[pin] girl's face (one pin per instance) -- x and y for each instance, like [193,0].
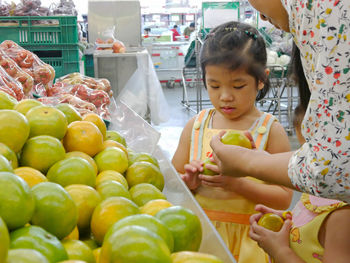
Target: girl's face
[272,11]
[232,93]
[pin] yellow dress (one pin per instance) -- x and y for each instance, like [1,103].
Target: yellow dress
[308,216]
[228,211]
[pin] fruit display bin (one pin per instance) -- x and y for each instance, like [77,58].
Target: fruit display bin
[39,30]
[140,136]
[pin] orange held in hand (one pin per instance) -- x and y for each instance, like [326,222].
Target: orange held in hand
[271,221]
[233,137]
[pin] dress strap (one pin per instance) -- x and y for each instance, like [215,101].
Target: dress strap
[262,130]
[197,134]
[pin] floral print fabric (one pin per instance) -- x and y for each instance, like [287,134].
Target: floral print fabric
[321,31]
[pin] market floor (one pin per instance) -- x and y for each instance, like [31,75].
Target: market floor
[179,115]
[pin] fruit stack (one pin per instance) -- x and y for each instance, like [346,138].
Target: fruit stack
[72,191]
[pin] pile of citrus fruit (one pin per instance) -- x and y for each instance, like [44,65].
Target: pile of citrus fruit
[71,191]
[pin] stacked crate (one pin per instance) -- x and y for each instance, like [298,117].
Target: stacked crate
[54,39]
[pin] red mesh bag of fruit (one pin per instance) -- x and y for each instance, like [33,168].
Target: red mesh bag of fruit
[43,74]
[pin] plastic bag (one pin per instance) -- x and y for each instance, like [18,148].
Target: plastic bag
[42,73]
[83,107]
[107,41]
[92,83]
[97,97]
[16,72]
[10,85]
[143,92]
[65,7]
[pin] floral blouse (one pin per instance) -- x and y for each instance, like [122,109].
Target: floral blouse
[321,30]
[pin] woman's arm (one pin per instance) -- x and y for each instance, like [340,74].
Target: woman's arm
[239,162]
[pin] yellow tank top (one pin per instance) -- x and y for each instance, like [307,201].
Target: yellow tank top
[308,216]
[219,204]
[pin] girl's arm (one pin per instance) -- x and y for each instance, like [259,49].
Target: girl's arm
[182,153]
[337,236]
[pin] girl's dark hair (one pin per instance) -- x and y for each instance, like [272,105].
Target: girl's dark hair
[239,46]
[297,74]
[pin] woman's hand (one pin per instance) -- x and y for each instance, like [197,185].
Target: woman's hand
[190,177]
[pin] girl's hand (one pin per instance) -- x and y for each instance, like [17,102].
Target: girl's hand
[225,182]
[274,243]
[190,177]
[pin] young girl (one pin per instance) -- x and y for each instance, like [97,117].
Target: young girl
[233,61]
[321,166]
[320,230]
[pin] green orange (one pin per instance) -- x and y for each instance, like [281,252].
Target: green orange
[14,129]
[72,170]
[145,172]
[112,158]
[55,210]
[5,165]
[46,120]
[84,156]
[69,111]
[143,193]
[184,225]
[41,152]
[194,257]
[152,207]
[111,188]
[132,244]
[234,137]
[16,200]
[150,222]
[142,157]
[25,105]
[9,154]
[78,250]
[4,240]
[111,175]
[35,237]
[25,255]
[7,101]
[207,171]
[115,136]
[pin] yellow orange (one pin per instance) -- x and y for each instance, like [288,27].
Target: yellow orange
[83,136]
[86,199]
[271,221]
[154,206]
[108,212]
[74,235]
[30,175]
[97,253]
[97,120]
[111,175]
[111,143]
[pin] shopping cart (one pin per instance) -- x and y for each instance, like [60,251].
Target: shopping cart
[192,77]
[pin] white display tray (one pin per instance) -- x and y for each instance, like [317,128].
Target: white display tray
[140,136]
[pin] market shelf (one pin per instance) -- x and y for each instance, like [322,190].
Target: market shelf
[39,30]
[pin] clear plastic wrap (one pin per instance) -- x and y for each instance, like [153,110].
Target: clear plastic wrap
[42,73]
[64,7]
[10,85]
[16,72]
[92,83]
[99,98]
[107,41]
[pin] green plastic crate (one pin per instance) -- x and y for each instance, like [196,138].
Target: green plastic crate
[39,30]
[89,65]
[63,58]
